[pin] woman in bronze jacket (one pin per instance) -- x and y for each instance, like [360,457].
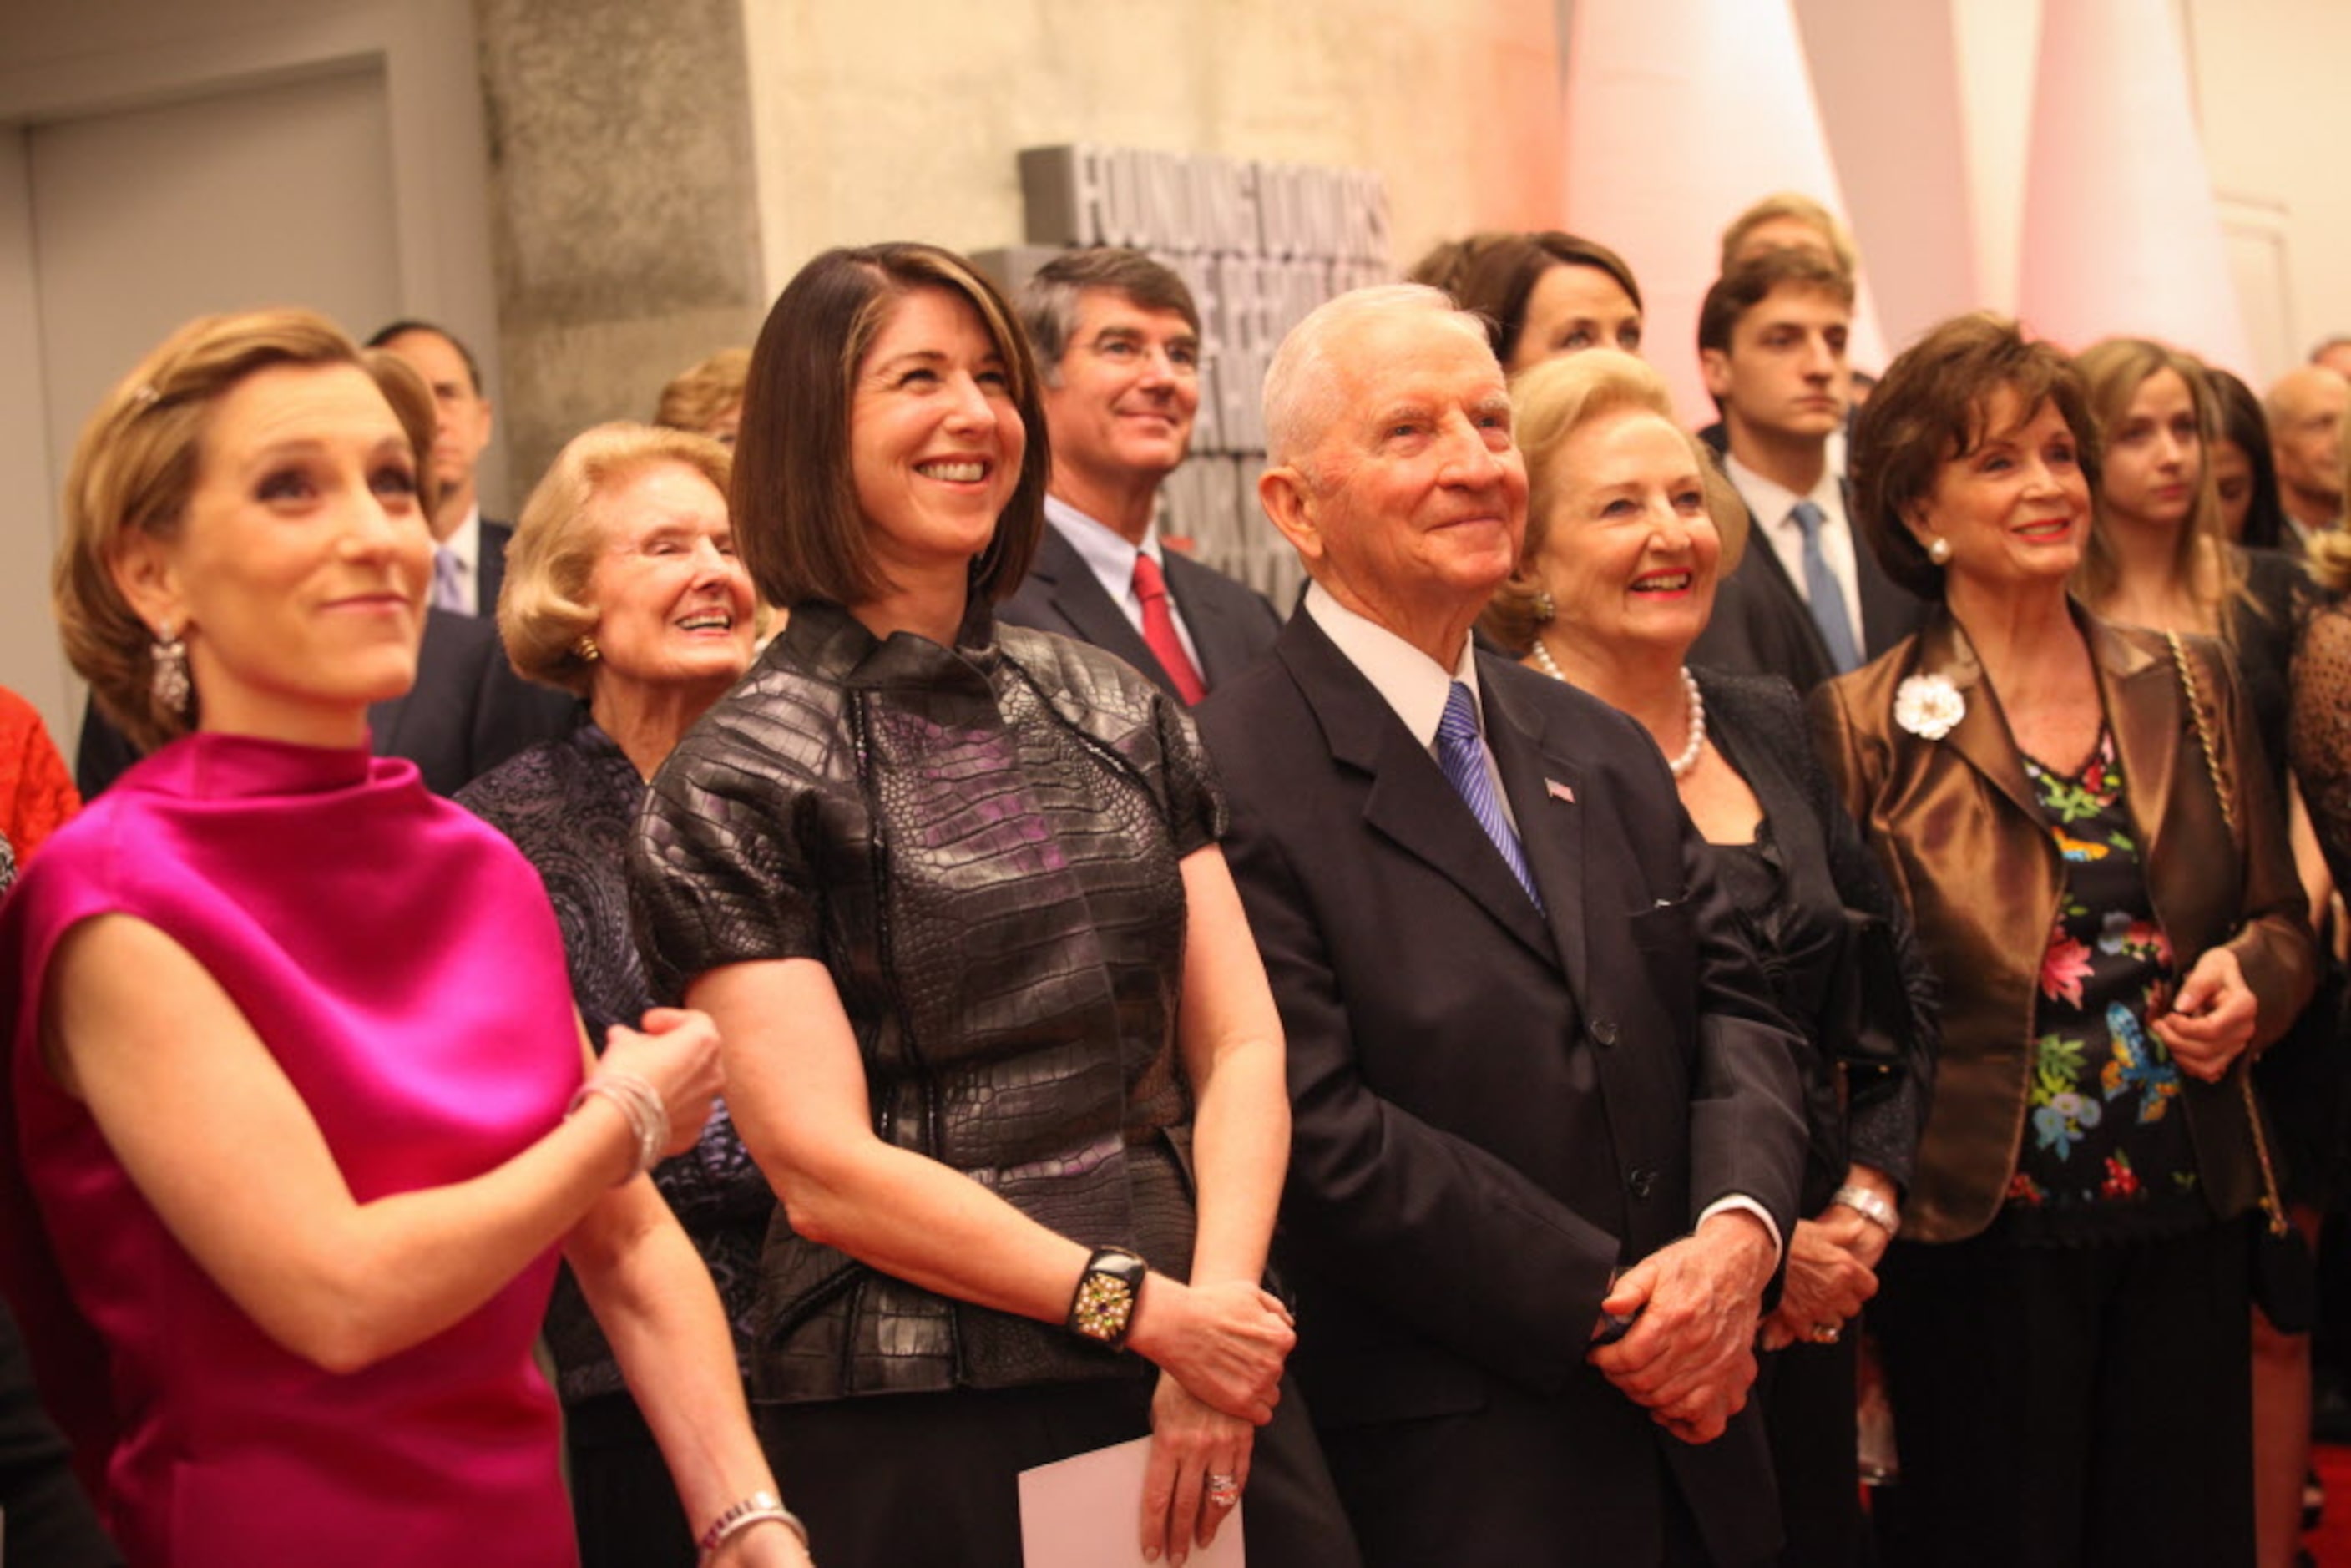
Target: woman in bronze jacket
[2063,1318]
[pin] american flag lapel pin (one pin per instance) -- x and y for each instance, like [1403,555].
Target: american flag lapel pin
[1559,791]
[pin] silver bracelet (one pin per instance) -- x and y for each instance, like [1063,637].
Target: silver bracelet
[759,1508]
[1870,1206]
[639,1102]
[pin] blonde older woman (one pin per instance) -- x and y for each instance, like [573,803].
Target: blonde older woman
[290,1156]
[622,587]
[1629,529]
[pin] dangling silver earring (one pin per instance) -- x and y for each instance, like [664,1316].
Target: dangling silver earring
[1546,611]
[169,680]
[1938,550]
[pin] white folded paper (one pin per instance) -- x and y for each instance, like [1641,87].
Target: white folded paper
[1087,1512]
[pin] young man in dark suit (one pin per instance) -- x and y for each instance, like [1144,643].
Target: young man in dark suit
[1545,1136]
[469,555]
[1808,601]
[1118,340]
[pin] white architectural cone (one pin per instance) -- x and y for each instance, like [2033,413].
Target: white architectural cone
[1680,114]
[2122,237]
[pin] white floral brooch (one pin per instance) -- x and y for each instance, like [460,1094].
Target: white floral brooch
[1928,706]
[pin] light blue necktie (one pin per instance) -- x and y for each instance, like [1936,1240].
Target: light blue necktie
[448,580]
[1830,612]
[1462,753]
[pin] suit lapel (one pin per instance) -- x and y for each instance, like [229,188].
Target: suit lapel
[1981,734]
[1547,791]
[1078,596]
[1405,796]
[1762,564]
[2144,710]
[1202,615]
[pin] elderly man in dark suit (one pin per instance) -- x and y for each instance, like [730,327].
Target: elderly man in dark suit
[1546,1137]
[1118,339]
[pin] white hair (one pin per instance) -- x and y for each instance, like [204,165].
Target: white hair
[1303,385]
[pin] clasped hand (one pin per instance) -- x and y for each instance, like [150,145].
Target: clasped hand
[1831,1273]
[1225,1343]
[2211,1016]
[676,1052]
[1690,1358]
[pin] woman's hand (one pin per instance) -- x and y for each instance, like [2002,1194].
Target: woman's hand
[1224,1342]
[2211,1021]
[1829,1276]
[1190,1442]
[676,1052]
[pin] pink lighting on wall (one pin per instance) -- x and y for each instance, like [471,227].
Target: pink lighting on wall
[2121,233]
[1680,113]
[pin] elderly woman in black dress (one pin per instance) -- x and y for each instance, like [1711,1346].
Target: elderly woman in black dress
[1006,1049]
[1625,546]
[622,587]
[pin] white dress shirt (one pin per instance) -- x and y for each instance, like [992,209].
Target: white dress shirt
[1773,505]
[1111,560]
[465,544]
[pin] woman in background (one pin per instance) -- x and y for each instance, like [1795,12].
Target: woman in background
[2160,556]
[622,587]
[1543,294]
[2244,468]
[707,398]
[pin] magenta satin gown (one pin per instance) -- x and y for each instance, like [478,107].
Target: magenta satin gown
[401,962]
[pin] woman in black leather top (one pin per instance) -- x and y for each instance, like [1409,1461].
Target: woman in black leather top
[996,1029]
[1624,545]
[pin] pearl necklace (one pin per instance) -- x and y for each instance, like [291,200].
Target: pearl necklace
[1680,765]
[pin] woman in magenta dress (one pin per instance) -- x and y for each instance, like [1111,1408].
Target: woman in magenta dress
[296,1108]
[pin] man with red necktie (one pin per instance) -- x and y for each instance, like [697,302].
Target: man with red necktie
[1118,339]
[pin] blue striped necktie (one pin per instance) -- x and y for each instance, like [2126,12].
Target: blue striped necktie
[1462,753]
[1830,612]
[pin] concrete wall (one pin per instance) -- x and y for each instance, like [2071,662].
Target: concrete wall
[595,193]
[899,118]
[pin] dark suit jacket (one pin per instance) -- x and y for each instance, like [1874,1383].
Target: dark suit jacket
[1957,826]
[1230,623]
[1763,626]
[490,569]
[468,712]
[1495,1108]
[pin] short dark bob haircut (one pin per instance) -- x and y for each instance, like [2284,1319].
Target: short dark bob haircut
[1930,408]
[794,497]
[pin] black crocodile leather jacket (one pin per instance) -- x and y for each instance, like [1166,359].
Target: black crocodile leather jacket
[982,845]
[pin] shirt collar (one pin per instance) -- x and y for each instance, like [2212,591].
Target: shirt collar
[1771,501]
[464,541]
[1102,548]
[1415,686]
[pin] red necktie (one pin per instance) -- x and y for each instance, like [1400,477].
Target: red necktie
[1159,631]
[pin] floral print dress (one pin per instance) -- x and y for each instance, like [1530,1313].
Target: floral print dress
[2106,1153]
